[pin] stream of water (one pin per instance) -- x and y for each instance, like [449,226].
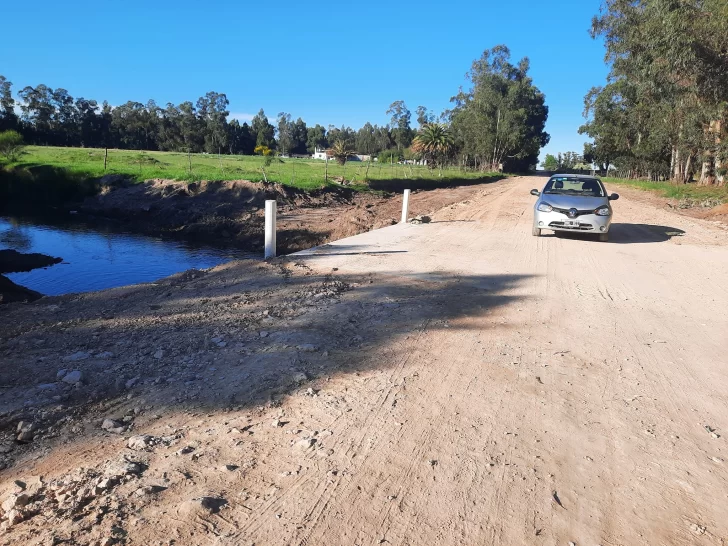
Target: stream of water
[95,258]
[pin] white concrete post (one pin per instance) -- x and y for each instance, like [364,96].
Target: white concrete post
[405,206]
[270,229]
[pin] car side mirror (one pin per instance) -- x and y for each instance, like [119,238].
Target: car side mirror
[614,197]
[535,192]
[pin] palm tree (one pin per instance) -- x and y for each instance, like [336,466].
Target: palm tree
[434,141]
[341,152]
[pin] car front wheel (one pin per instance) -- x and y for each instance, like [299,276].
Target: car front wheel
[604,237]
[536,232]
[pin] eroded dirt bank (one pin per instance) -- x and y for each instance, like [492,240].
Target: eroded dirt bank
[459,382]
[11,292]
[12,261]
[232,212]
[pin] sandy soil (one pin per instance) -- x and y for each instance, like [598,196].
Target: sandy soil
[717,214]
[458,382]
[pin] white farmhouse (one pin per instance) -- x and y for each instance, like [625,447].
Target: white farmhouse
[321,154]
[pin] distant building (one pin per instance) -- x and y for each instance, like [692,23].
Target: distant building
[321,154]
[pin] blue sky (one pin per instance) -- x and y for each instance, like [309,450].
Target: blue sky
[327,63]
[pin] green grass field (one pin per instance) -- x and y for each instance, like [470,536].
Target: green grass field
[709,195]
[305,174]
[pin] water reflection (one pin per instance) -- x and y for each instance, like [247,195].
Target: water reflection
[99,258]
[14,236]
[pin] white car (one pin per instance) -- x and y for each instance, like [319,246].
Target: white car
[575,203]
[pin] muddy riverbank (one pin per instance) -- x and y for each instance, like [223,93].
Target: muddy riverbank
[231,212]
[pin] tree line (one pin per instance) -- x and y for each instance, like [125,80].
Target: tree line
[565,162]
[664,112]
[53,117]
[497,123]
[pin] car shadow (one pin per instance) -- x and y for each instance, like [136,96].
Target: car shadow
[642,233]
[622,233]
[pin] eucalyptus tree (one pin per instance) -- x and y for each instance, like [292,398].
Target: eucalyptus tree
[8,117]
[263,130]
[499,121]
[191,128]
[366,140]
[64,123]
[316,139]
[342,134]
[300,136]
[240,138]
[400,123]
[88,122]
[674,56]
[383,138]
[212,109]
[285,130]
[424,116]
[37,109]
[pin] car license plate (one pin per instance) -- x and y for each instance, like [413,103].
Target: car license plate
[571,223]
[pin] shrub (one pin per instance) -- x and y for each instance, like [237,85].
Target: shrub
[266,152]
[387,156]
[409,154]
[11,145]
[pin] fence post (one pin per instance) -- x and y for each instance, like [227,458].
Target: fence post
[405,206]
[270,229]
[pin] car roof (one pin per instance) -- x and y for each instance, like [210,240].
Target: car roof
[590,177]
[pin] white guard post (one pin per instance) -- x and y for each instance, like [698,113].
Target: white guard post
[405,206]
[270,229]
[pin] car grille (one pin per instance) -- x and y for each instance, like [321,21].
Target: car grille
[579,227]
[578,212]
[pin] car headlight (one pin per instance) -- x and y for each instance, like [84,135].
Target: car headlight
[545,207]
[603,211]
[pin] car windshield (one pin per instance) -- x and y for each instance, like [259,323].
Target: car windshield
[573,185]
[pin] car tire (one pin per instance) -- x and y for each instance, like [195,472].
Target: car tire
[536,232]
[604,237]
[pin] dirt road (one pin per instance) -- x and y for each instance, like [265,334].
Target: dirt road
[459,382]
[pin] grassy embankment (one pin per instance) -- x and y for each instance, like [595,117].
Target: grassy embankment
[51,174]
[688,194]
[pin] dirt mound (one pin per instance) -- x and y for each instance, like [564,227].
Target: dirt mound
[229,211]
[160,195]
[719,212]
[232,212]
